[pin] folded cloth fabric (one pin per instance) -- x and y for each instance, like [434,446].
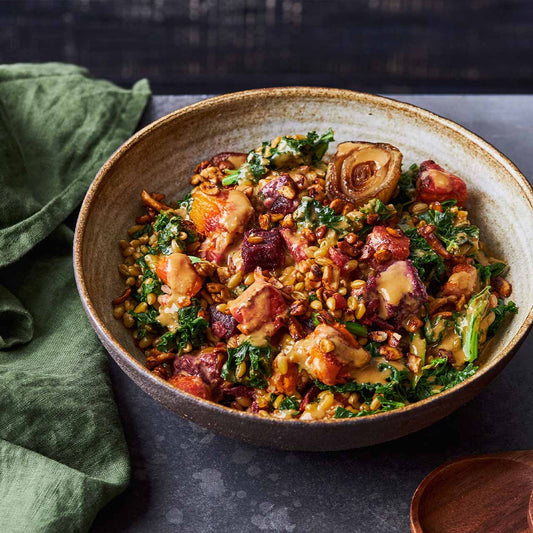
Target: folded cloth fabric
[62,450]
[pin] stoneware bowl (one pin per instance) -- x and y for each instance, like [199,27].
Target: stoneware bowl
[161,157]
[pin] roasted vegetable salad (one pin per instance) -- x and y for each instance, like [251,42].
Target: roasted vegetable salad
[289,286]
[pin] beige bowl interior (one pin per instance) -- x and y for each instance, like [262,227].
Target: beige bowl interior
[162,158]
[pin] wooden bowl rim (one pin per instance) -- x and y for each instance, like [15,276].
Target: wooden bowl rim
[414,513]
[455,129]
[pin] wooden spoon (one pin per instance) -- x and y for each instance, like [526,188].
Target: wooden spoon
[485,494]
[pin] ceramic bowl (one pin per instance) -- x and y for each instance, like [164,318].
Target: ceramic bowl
[161,157]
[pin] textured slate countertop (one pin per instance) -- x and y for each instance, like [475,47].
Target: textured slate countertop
[185,478]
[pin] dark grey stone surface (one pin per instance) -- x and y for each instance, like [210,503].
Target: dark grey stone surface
[185,478]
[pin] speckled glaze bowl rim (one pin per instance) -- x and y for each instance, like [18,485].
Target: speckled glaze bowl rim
[292,92]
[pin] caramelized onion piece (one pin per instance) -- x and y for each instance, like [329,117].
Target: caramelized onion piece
[360,171]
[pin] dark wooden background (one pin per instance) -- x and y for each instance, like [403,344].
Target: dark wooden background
[210,46]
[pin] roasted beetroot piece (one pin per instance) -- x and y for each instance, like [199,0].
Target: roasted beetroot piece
[206,365]
[191,384]
[339,258]
[274,201]
[260,309]
[434,184]
[462,282]
[296,244]
[262,248]
[400,291]
[387,244]
[223,326]
[240,391]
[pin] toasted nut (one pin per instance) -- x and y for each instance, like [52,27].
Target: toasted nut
[265,221]
[447,354]
[390,353]
[331,303]
[298,308]
[300,181]
[382,255]
[393,232]
[308,235]
[418,208]
[501,286]
[394,339]
[346,248]
[295,329]
[351,238]
[287,221]
[215,287]
[254,239]
[150,201]
[204,268]
[123,297]
[378,336]
[413,323]
[337,205]
[321,231]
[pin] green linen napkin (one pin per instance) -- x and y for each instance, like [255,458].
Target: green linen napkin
[62,450]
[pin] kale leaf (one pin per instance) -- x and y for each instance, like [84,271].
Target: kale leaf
[290,403]
[169,227]
[258,361]
[487,272]
[428,263]
[452,236]
[406,186]
[288,152]
[377,207]
[312,213]
[341,412]
[146,230]
[501,310]
[400,389]
[148,318]
[191,329]
[308,149]
[150,282]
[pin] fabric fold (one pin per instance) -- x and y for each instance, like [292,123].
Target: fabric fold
[16,323]
[62,450]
